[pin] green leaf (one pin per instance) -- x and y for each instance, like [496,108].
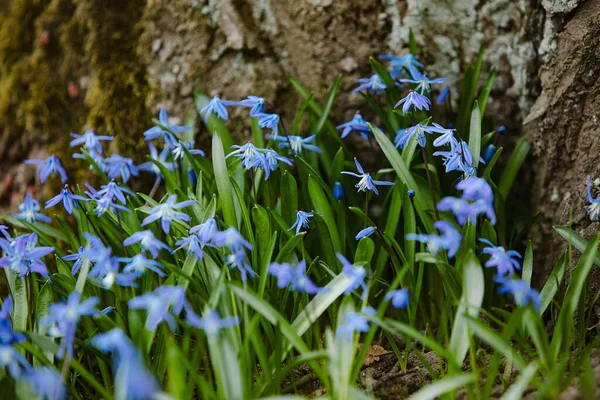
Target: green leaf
[223,183]
[68,231]
[404,175]
[412,43]
[41,229]
[287,249]
[576,241]
[499,344]
[517,389]
[485,91]
[322,206]
[187,270]
[513,165]
[553,283]
[528,264]
[471,300]
[438,388]
[475,135]
[176,370]
[328,104]
[289,197]
[20,311]
[364,251]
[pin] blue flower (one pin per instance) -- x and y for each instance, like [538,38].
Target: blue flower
[68,199]
[365,232]
[167,213]
[459,158]
[366,182]
[147,241]
[504,260]
[62,320]
[193,246]
[113,190]
[133,381]
[107,272]
[206,230]
[7,335]
[355,322]
[296,143]
[270,121]
[139,264]
[302,221]
[120,166]
[105,199]
[90,141]
[13,361]
[250,155]
[295,277]
[421,80]
[404,136]
[400,298]
[237,259]
[411,194]
[22,257]
[338,190]
[398,63]
[501,130]
[46,384]
[160,306]
[95,251]
[593,209]
[212,323]
[254,103]
[216,106]
[29,211]
[523,294]
[413,99]
[157,131]
[475,188]
[52,165]
[270,161]
[357,124]
[465,210]
[449,240]
[373,84]
[162,158]
[356,273]
[489,153]
[78,257]
[231,239]
[443,95]
[446,137]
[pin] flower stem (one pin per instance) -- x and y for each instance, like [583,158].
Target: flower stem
[437,215]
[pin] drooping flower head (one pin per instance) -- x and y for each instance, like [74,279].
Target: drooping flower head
[421,80]
[294,277]
[254,103]
[373,84]
[505,261]
[45,384]
[161,305]
[521,291]
[248,153]
[211,323]
[357,275]
[161,158]
[7,335]
[117,166]
[216,106]
[90,141]
[147,241]
[399,297]
[449,240]
[400,63]
[302,221]
[139,264]
[366,182]
[355,322]
[356,124]
[368,231]
[51,165]
[68,199]
[415,100]
[22,257]
[160,132]
[338,190]
[269,121]
[593,209]
[403,136]
[270,161]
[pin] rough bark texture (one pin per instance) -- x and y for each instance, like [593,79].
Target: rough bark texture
[67,65]
[564,130]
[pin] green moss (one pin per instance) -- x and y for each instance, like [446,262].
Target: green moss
[94,40]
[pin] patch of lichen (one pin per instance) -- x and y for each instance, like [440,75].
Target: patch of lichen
[90,42]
